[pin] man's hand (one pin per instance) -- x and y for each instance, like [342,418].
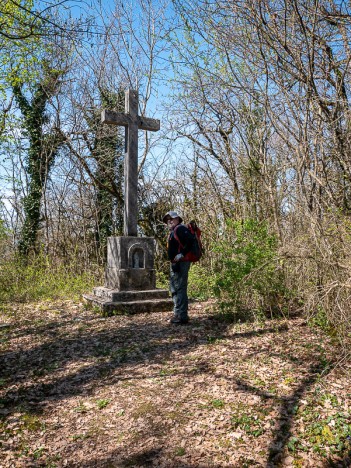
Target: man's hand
[178,257]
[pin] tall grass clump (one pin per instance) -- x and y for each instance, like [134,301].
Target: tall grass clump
[43,279]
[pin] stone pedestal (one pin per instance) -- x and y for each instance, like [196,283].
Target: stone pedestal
[130,263]
[130,279]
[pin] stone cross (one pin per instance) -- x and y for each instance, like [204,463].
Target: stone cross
[132,122]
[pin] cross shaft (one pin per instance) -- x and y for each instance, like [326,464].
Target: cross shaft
[132,122]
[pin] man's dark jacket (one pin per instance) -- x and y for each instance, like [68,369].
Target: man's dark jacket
[186,241]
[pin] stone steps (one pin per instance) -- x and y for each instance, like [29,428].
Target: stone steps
[112,302]
[127,296]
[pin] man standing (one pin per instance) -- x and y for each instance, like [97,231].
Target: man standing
[180,242]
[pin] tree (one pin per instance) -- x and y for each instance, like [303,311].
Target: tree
[125,58]
[17,45]
[303,56]
[221,111]
[107,150]
[18,21]
[26,27]
[21,20]
[43,146]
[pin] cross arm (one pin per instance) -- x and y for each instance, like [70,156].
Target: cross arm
[118,118]
[114,118]
[145,123]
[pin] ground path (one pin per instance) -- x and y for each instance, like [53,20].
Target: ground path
[79,390]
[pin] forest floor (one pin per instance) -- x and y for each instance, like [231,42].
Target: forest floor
[79,390]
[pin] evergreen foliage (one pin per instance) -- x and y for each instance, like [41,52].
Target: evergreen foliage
[42,150]
[109,155]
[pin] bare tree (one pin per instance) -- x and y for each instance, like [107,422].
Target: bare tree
[126,56]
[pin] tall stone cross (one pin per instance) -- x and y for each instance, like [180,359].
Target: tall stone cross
[132,122]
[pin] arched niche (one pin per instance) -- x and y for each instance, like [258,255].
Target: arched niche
[136,256]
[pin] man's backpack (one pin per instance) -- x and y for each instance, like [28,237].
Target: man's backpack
[197,250]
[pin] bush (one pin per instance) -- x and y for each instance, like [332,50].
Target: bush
[201,282]
[318,266]
[249,275]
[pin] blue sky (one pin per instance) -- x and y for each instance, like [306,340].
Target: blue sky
[93,8]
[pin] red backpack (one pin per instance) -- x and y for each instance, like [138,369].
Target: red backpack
[197,250]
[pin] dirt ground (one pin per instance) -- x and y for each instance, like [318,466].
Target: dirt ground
[79,390]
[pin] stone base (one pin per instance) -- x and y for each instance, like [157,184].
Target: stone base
[130,279]
[114,302]
[130,264]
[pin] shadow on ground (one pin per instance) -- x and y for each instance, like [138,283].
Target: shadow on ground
[113,349]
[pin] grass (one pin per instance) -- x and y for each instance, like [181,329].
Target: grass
[218,404]
[248,423]
[31,423]
[324,433]
[102,403]
[43,280]
[81,408]
[179,451]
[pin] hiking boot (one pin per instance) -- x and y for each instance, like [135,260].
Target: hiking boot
[179,321]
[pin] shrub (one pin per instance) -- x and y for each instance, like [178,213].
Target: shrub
[319,266]
[249,276]
[201,282]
